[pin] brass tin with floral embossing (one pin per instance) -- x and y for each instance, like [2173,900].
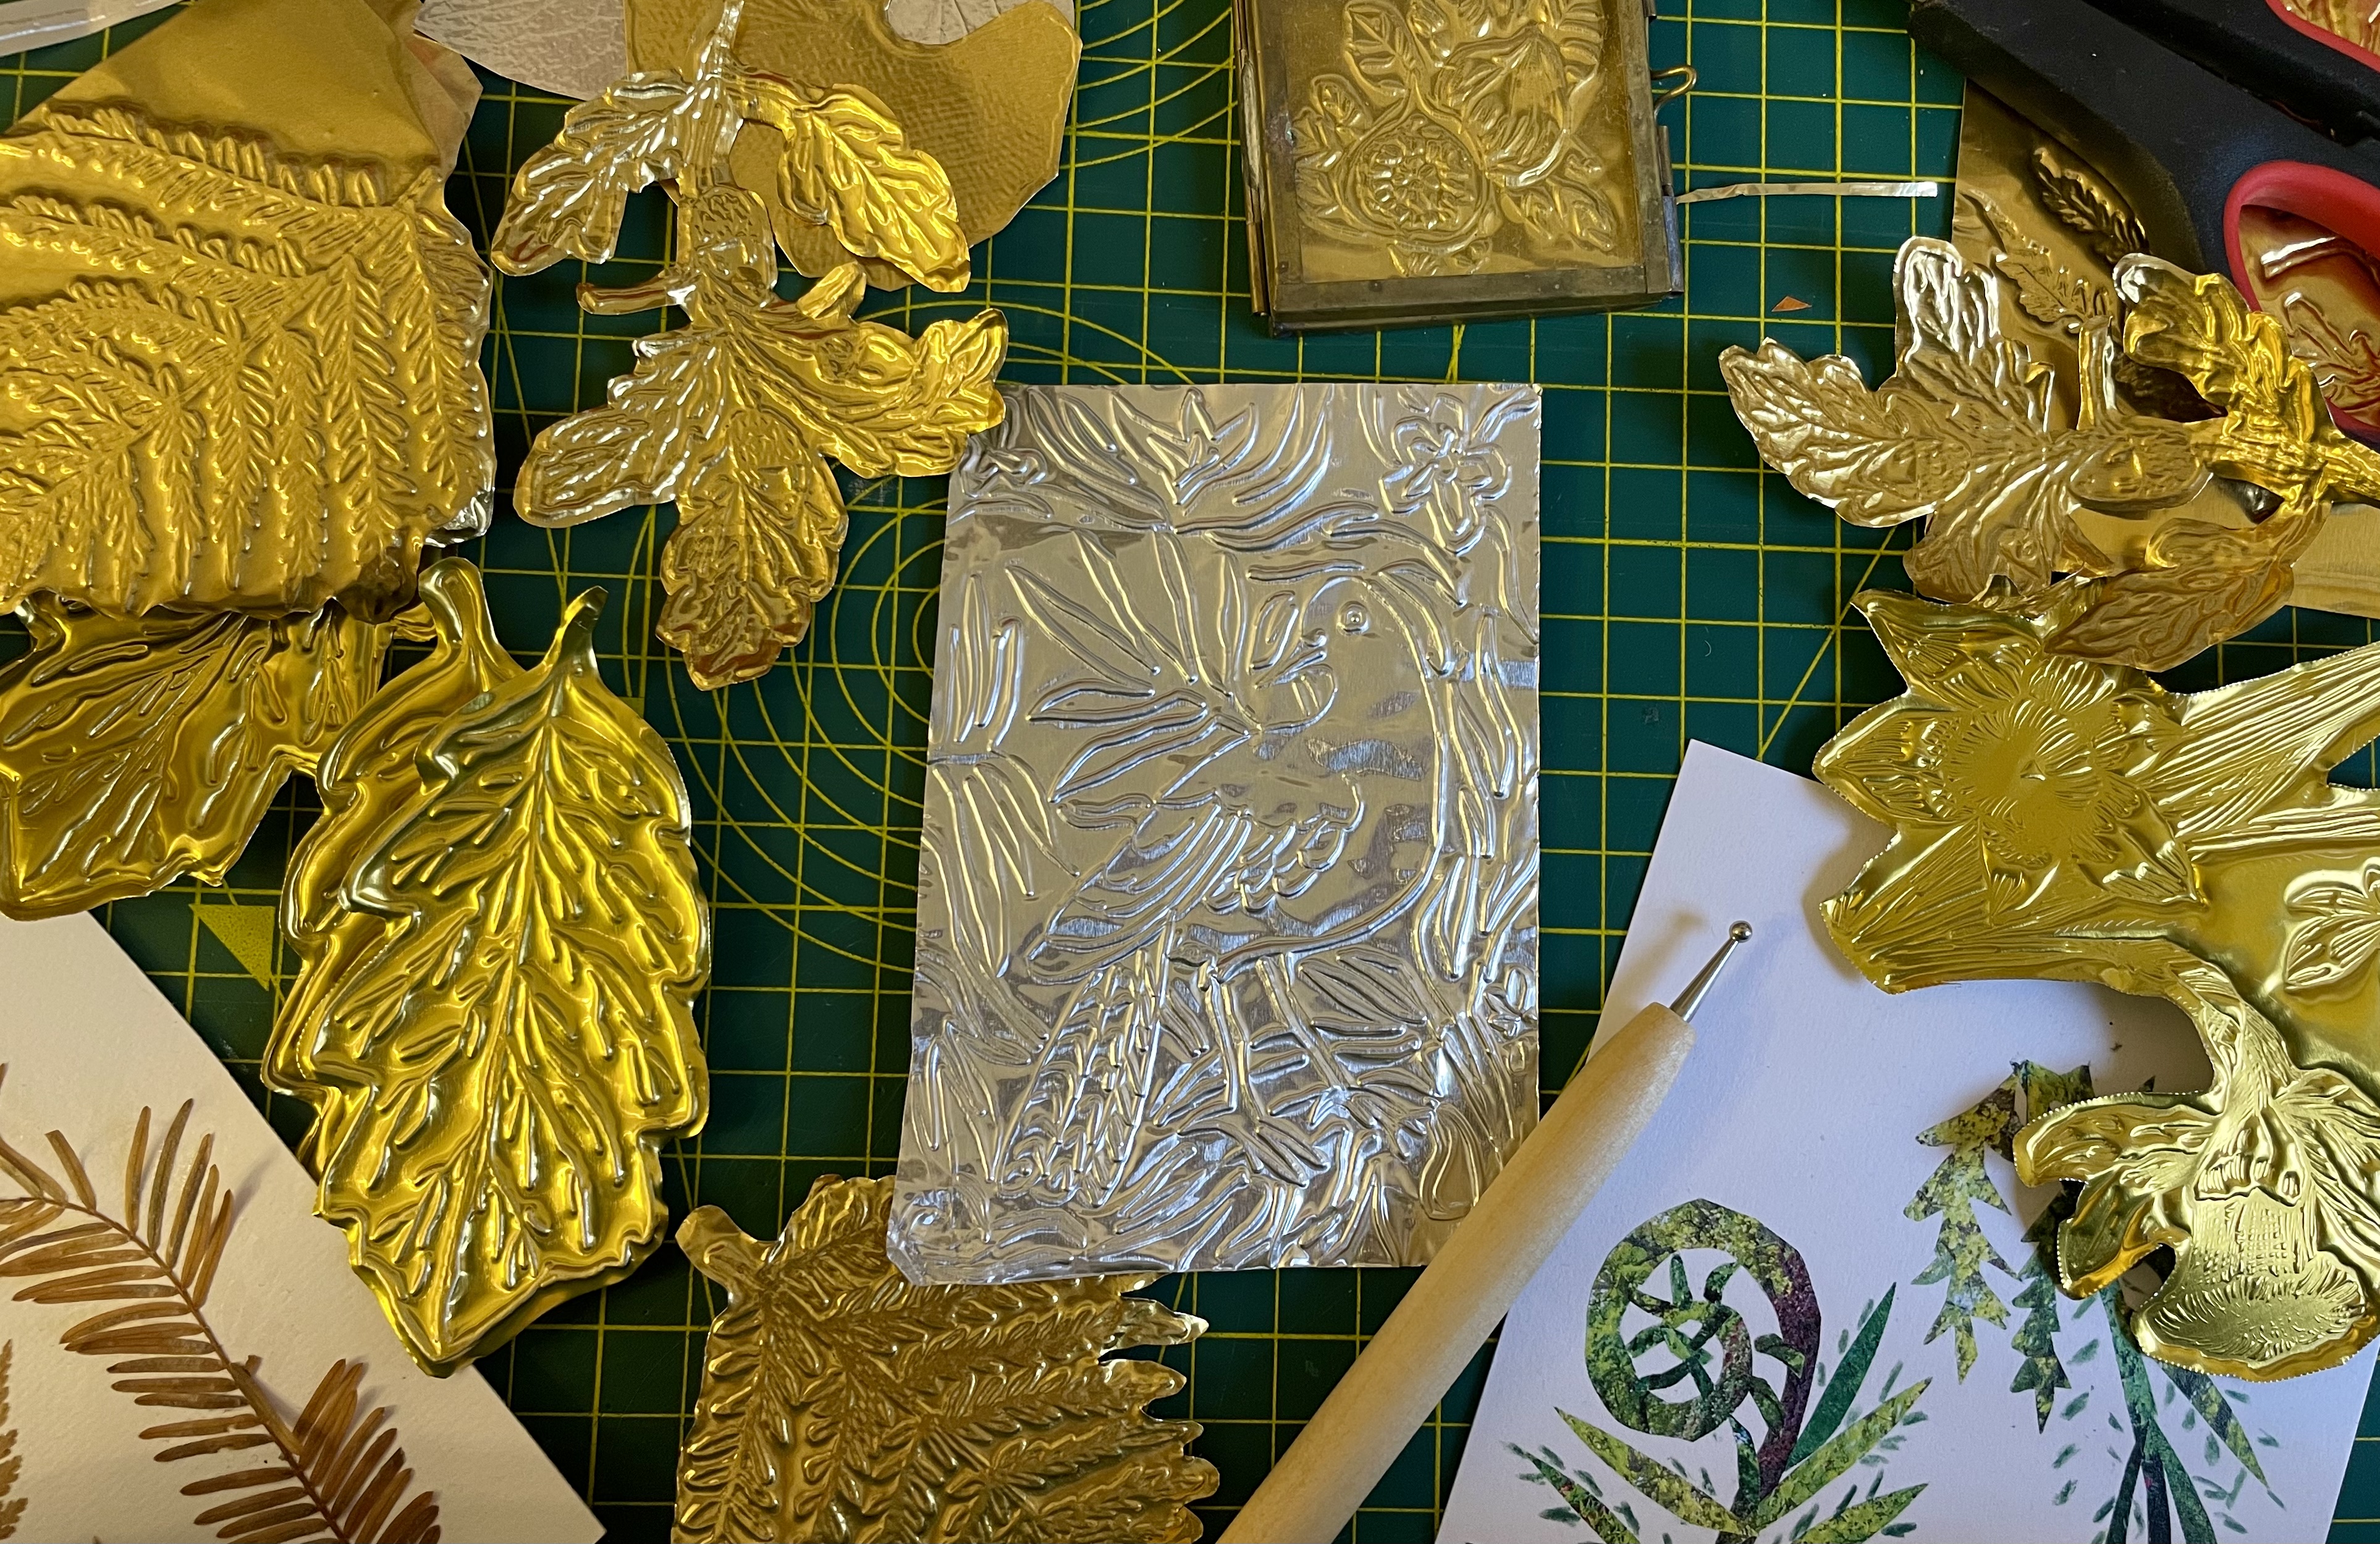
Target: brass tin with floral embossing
[2061,818]
[1421,161]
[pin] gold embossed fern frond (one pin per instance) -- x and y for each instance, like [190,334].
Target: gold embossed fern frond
[12,1463]
[842,1401]
[732,416]
[257,384]
[141,1276]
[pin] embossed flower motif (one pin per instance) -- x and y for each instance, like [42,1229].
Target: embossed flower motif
[1446,467]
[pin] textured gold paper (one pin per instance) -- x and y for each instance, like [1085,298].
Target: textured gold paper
[134,750]
[2056,816]
[503,939]
[839,1401]
[130,1284]
[989,107]
[734,415]
[2169,535]
[239,332]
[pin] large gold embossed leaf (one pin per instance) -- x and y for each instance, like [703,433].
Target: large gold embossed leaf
[839,1401]
[505,1061]
[257,386]
[368,782]
[731,416]
[135,750]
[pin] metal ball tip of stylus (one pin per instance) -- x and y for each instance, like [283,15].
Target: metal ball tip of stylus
[1692,998]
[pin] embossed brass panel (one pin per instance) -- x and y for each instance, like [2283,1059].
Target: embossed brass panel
[839,1401]
[1418,161]
[1227,915]
[2054,817]
[503,939]
[2143,538]
[239,331]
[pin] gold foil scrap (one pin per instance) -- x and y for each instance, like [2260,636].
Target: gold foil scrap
[2057,817]
[841,1401]
[502,938]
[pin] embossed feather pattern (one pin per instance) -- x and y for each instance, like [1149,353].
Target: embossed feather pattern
[842,1401]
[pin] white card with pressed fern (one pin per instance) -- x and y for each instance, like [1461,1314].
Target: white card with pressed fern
[1809,1306]
[184,1351]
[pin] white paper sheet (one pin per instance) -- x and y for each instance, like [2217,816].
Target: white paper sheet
[39,23]
[88,1041]
[573,48]
[1800,1108]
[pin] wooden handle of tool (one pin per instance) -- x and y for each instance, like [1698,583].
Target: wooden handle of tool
[1434,1332]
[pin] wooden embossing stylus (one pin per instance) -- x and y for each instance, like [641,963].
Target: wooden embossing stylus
[1478,1272]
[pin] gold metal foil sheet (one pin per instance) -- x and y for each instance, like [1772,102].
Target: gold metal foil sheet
[134,750]
[839,1401]
[2057,817]
[2353,20]
[733,414]
[239,332]
[503,938]
[1418,161]
[989,107]
[2145,538]
[1227,915]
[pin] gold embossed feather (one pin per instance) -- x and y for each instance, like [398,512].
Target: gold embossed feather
[841,1401]
[135,750]
[503,939]
[734,415]
[233,375]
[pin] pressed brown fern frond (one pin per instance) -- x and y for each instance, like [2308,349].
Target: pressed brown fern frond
[335,1475]
[12,1463]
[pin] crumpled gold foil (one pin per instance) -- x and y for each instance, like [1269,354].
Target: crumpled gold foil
[239,331]
[503,938]
[989,107]
[2146,538]
[2057,817]
[839,1401]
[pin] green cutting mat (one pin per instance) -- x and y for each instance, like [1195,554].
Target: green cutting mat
[1688,594]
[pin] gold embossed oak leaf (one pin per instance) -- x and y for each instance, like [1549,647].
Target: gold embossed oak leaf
[239,331]
[2056,816]
[134,750]
[732,415]
[991,107]
[2159,560]
[839,1401]
[503,939]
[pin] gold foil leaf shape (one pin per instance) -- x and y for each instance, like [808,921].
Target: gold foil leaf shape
[135,1282]
[2059,817]
[732,417]
[494,1019]
[989,108]
[239,331]
[841,164]
[2161,560]
[134,750]
[842,1401]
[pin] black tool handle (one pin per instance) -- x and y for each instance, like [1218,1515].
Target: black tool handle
[2312,73]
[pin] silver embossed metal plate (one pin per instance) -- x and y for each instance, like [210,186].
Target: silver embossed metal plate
[1227,910]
